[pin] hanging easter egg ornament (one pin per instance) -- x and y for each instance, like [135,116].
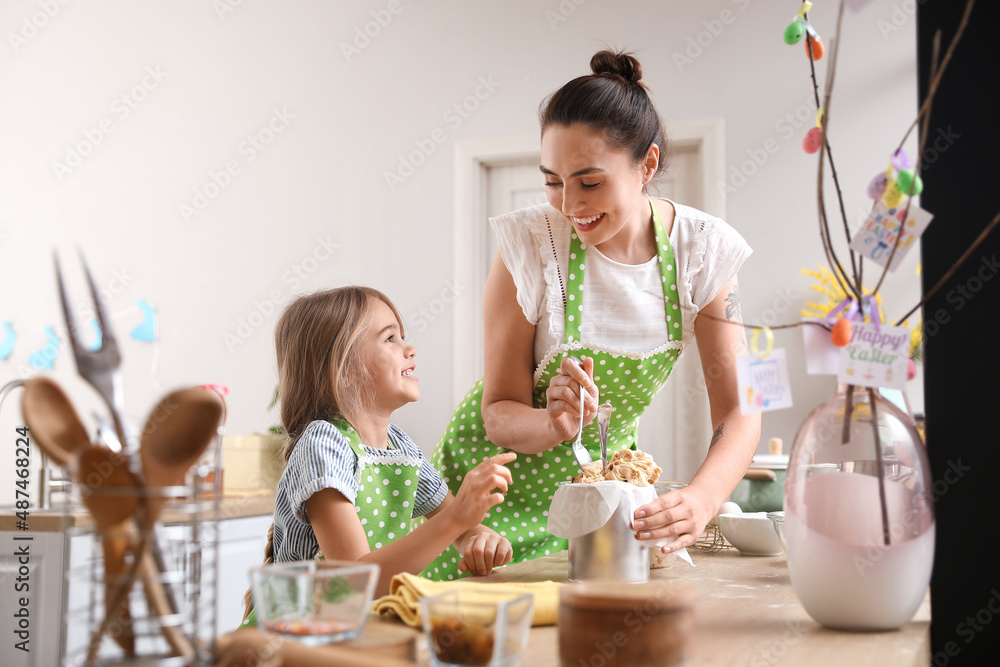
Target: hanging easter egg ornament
[794,32]
[814,45]
[877,186]
[812,140]
[841,334]
[905,179]
[900,160]
[892,196]
[814,137]
[797,28]
[911,370]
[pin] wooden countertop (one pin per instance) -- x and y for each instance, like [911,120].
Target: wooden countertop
[232,506]
[746,613]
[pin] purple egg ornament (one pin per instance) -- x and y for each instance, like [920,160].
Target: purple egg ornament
[877,186]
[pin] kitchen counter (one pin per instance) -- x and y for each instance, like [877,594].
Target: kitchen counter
[233,506]
[746,613]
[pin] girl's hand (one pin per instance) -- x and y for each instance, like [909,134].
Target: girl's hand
[476,496]
[563,397]
[484,550]
[680,512]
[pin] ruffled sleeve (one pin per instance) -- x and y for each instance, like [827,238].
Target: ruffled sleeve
[717,251]
[525,249]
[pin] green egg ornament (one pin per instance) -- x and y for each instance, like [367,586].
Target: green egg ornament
[794,32]
[906,178]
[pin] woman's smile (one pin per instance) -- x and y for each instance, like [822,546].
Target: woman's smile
[587,223]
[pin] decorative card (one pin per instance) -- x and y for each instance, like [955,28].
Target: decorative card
[822,356]
[875,358]
[878,235]
[763,383]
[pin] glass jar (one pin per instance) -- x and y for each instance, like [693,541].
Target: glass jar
[859,516]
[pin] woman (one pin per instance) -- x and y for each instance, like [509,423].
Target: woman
[620,280]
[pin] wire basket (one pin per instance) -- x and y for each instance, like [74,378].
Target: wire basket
[169,615]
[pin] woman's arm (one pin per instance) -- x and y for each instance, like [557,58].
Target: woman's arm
[508,415]
[341,537]
[685,512]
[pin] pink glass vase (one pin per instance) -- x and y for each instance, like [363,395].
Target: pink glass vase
[859,516]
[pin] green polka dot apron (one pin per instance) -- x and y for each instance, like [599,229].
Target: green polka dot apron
[387,482]
[627,380]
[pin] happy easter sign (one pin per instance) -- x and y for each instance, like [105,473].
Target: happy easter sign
[877,237]
[875,358]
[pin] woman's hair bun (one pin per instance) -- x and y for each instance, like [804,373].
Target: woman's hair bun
[616,64]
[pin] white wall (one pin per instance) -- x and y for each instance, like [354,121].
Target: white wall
[221,76]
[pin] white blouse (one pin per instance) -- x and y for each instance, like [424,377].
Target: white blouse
[623,304]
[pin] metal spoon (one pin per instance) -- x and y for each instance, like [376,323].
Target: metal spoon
[603,422]
[579,451]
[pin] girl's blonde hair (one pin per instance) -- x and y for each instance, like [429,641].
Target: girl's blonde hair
[321,373]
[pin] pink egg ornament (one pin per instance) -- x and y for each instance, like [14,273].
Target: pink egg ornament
[812,140]
[911,370]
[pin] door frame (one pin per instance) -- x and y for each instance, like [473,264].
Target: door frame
[473,158]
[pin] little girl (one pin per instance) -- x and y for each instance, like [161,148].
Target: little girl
[353,481]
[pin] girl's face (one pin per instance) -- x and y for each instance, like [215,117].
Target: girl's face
[389,360]
[597,187]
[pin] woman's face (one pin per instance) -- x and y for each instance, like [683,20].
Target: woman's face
[597,187]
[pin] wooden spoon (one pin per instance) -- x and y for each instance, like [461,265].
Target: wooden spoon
[57,428]
[176,435]
[107,488]
[55,425]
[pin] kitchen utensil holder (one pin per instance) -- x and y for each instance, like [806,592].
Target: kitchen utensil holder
[186,538]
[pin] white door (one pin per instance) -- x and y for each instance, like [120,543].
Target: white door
[676,428]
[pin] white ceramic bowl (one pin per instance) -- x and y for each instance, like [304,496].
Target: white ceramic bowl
[751,532]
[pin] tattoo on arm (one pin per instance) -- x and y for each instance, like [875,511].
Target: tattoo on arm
[717,435]
[733,304]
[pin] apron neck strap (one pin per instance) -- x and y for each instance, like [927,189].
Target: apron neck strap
[352,437]
[668,274]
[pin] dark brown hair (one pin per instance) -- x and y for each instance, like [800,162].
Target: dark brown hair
[612,99]
[320,371]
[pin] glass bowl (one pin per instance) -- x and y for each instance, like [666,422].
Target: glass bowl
[665,486]
[314,601]
[778,519]
[477,627]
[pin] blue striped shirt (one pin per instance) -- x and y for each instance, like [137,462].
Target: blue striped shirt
[323,459]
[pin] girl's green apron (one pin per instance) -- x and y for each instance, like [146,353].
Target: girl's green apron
[387,489]
[628,380]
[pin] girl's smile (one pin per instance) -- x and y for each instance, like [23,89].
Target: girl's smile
[389,360]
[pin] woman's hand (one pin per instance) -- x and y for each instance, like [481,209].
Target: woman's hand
[482,550]
[563,397]
[477,494]
[682,513]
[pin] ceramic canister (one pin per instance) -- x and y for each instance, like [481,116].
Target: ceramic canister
[610,624]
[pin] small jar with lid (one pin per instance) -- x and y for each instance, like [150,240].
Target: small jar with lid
[632,625]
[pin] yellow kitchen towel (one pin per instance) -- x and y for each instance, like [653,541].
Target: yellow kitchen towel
[406,590]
